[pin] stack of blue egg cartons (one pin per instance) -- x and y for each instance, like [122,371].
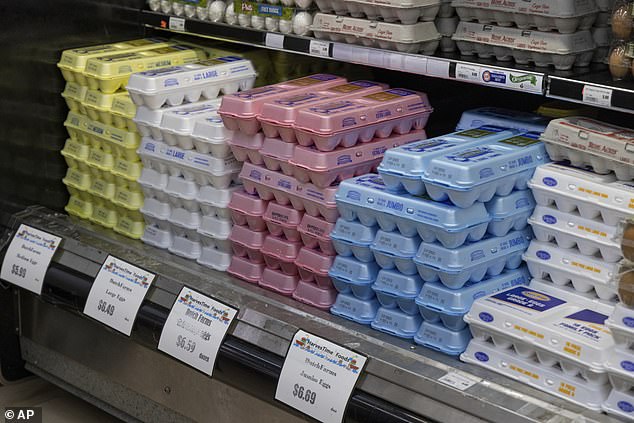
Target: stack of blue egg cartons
[444,223]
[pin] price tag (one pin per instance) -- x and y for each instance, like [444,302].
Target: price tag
[274,40]
[28,258]
[467,72]
[117,294]
[195,329]
[318,377]
[597,96]
[458,381]
[319,48]
[177,24]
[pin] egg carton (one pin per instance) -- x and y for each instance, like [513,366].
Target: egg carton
[563,51]
[621,324]
[246,270]
[621,371]
[76,154]
[280,253]
[593,196]
[620,404]
[248,243]
[394,322]
[189,83]
[210,136]
[471,262]
[283,220]
[549,379]
[277,281]
[177,125]
[352,238]
[311,294]
[584,141]
[246,148]
[73,95]
[284,189]
[366,198]
[446,27]
[352,308]
[396,290]
[602,37]
[313,267]
[406,12]
[510,212]
[557,326]
[442,339]
[505,118]
[349,275]
[570,230]
[393,250]
[437,303]
[421,37]
[404,166]
[248,210]
[566,16]
[77,126]
[476,174]
[214,259]
[123,111]
[315,234]
[157,237]
[279,18]
[98,106]
[240,110]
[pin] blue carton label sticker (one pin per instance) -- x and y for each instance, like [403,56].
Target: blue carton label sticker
[625,406]
[481,356]
[530,299]
[485,317]
[627,365]
[588,316]
[548,181]
[629,322]
[551,220]
[543,255]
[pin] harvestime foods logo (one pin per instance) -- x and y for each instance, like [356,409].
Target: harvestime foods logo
[536,296]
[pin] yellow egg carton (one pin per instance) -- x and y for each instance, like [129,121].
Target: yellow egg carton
[121,142]
[110,73]
[74,95]
[98,105]
[78,206]
[77,179]
[73,61]
[123,111]
[76,154]
[77,126]
[99,160]
[103,188]
[130,223]
[104,213]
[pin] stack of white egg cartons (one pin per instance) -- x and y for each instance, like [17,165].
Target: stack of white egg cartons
[543,32]
[557,334]
[101,151]
[602,31]
[188,171]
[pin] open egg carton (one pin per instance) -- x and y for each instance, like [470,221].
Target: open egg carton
[405,11]
[586,142]
[565,16]
[420,37]
[563,51]
[558,331]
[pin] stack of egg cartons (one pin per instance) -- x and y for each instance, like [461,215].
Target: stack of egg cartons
[188,172]
[298,139]
[101,151]
[541,31]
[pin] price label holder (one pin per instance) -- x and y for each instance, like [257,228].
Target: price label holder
[319,48]
[117,293]
[318,377]
[597,96]
[28,257]
[176,24]
[195,328]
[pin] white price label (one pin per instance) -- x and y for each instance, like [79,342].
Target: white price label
[458,381]
[195,328]
[319,48]
[177,24]
[28,258]
[274,40]
[597,96]
[466,72]
[318,377]
[117,293]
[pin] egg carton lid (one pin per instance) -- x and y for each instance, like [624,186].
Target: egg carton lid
[440,338]
[151,117]
[355,309]
[396,322]
[353,271]
[395,244]
[211,129]
[400,33]
[353,232]
[182,121]
[403,4]
[77,121]
[515,38]
[74,91]
[395,283]
[118,136]
[516,202]
[548,8]
[123,106]
[101,101]
[523,121]
[216,197]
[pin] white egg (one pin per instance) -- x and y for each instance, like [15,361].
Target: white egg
[202,13]
[244,20]
[166,6]
[230,15]
[272,24]
[302,22]
[178,8]
[285,26]
[217,10]
[288,2]
[257,22]
[303,4]
[154,5]
[190,10]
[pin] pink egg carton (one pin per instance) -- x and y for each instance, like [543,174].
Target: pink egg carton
[239,111]
[276,155]
[284,189]
[282,220]
[311,294]
[248,209]
[246,270]
[313,266]
[278,281]
[346,122]
[247,243]
[280,253]
[324,168]
[247,147]
[278,116]
[315,233]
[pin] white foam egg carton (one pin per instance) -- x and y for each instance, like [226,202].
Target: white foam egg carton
[405,11]
[620,404]
[446,26]
[419,37]
[551,379]
[593,196]
[602,37]
[569,230]
[210,136]
[177,125]
[189,83]
[543,48]
[621,323]
[588,142]
[565,16]
[553,325]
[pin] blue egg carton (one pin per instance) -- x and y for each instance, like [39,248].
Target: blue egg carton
[394,289]
[366,198]
[523,121]
[437,303]
[353,239]
[476,174]
[351,275]
[510,212]
[393,250]
[352,308]
[440,338]
[404,166]
[397,323]
[472,262]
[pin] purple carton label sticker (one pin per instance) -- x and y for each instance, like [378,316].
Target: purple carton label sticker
[528,298]
[481,356]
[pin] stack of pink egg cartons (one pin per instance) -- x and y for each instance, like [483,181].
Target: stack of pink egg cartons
[298,140]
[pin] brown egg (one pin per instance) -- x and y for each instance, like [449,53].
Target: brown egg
[626,288]
[622,22]
[619,63]
[627,243]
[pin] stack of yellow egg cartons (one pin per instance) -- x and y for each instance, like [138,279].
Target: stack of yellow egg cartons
[101,151]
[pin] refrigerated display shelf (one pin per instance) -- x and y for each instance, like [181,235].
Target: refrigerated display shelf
[402,382]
